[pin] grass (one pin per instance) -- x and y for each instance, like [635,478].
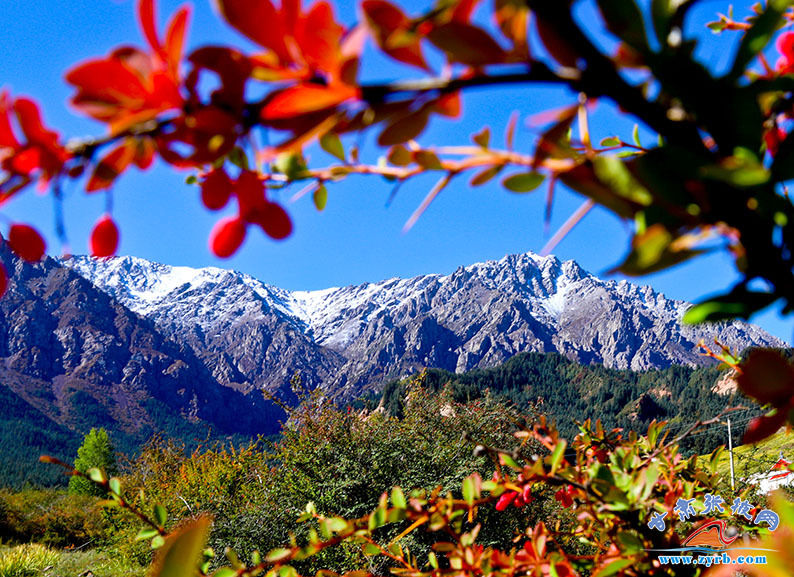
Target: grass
[757,458]
[27,560]
[32,560]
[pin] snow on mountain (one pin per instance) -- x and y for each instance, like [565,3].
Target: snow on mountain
[255,335]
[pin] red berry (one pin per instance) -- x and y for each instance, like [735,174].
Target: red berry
[3,280]
[250,194]
[26,242]
[505,500]
[518,502]
[104,238]
[274,220]
[227,236]
[216,188]
[527,494]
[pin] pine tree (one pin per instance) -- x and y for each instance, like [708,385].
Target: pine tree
[96,451]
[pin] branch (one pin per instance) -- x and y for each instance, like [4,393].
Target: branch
[538,73]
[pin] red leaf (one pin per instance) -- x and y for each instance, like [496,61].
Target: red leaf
[274,220]
[505,499]
[259,21]
[767,377]
[319,37]
[227,236]
[147,21]
[304,99]
[175,38]
[111,166]
[290,12]
[513,20]
[144,153]
[26,242]
[3,280]
[231,66]
[26,161]
[108,82]
[29,118]
[7,138]
[104,239]
[762,427]
[216,189]
[386,23]
[448,105]
[464,9]
[466,44]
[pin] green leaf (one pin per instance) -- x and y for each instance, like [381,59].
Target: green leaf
[743,169]
[332,144]
[279,554]
[146,533]
[483,137]
[486,175]
[469,491]
[157,542]
[629,542]
[160,515]
[739,303]
[612,172]
[377,518]
[96,475]
[191,179]
[759,35]
[320,197]
[398,498]
[556,456]
[508,461]
[370,549]
[652,250]
[115,485]
[291,164]
[523,182]
[337,524]
[237,157]
[400,156]
[624,19]
[613,567]
[432,559]
[427,159]
[611,141]
[635,135]
[225,572]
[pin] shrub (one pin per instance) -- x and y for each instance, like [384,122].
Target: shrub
[52,517]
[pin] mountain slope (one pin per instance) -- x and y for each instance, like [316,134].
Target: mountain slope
[253,335]
[81,359]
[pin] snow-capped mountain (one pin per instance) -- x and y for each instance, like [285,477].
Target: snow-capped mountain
[251,335]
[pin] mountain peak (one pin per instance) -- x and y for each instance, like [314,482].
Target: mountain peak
[477,316]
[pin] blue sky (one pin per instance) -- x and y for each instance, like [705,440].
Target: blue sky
[357,238]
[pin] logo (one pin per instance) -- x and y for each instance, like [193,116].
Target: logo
[713,541]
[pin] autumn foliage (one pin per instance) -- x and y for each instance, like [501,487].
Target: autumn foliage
[718,170]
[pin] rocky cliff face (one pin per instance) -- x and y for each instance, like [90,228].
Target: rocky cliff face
[83,359]
[251,335]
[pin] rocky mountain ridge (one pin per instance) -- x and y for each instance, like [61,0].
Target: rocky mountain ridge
[253,335]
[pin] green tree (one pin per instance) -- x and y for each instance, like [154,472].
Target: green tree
[95,452]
